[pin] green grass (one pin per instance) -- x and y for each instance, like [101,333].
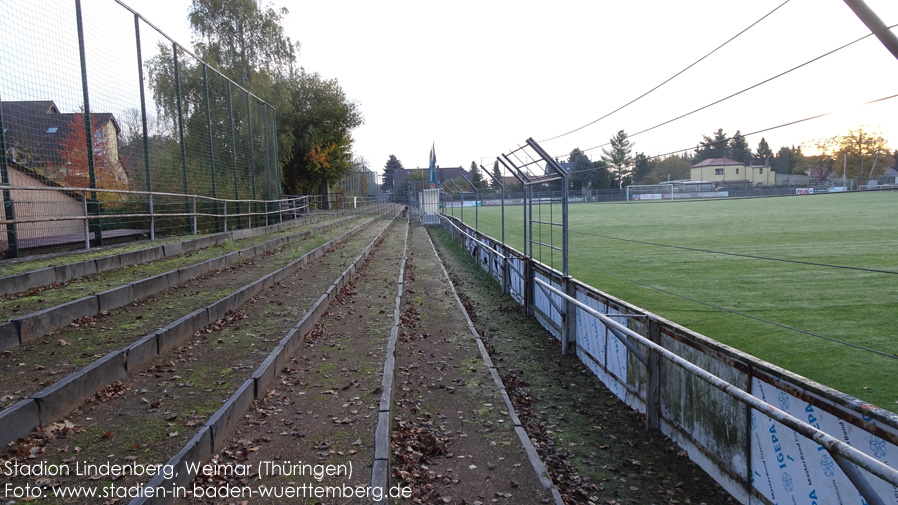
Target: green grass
[853,306]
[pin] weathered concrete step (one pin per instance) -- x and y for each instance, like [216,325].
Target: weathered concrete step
[32,326]
[214,435]
[66,272]
[51,403]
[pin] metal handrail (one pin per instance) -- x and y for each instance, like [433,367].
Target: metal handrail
[134,192]
[475,239]
[834,446]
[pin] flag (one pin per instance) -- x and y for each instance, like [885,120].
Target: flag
[433,165]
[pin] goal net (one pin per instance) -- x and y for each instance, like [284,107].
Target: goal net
[650,192]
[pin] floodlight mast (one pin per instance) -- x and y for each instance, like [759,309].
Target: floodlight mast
[875,24]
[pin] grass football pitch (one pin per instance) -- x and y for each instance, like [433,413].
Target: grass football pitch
[827,313]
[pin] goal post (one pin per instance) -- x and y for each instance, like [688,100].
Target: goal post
[650,192]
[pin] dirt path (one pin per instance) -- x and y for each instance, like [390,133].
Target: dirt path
[596,448]
[453,439]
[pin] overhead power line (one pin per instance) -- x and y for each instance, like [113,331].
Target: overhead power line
[763,130]
[753,86]
[696,62]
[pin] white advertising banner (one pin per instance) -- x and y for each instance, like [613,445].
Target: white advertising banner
[542,304]
[594,338]
[789,468]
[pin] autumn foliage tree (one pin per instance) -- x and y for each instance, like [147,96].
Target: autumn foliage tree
[858,149]
[321,119]
[75,168]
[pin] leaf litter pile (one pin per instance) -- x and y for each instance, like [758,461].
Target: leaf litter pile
[322,408]
[452,438]
[595,448]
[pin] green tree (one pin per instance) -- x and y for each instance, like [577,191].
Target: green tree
[789,160]
[581,170]
[716,146]
[858,149]
[390,166]
[497,175]
[618,158]
[822,164]
[671,168]
[412,183]
[242,37]
[763,154]
[642,167]
[477,177]
[739,150]
[862,148]
[244,41]
[322,119]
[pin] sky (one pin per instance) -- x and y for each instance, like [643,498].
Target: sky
[476,79]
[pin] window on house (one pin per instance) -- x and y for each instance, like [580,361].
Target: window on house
[737,171]
[718,171]
[761,170]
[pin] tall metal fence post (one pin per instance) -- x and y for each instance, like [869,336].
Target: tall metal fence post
[503,214]
[194,215]
[529,190]
[180,107]
[143,122]
[12,242]
[211,147]
[267,164]
[152,220]
[233,152]
[653,381]
[252,161]
[570,310]
[462,193]
[277,172]
[506,271]
[86,220]
[529,285]
[569,329]
[94,206]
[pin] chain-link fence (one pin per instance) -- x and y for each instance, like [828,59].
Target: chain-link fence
[93,96]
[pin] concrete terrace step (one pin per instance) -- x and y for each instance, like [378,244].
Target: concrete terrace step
[68,270]
[29,327]
[50,404]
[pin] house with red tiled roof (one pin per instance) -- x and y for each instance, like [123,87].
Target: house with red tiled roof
[51,143]
[721,171]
